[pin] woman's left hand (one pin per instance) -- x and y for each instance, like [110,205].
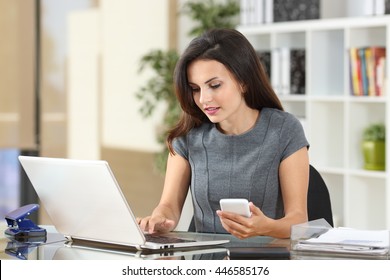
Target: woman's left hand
[242,227]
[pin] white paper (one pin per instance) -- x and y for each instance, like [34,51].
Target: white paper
[348,241]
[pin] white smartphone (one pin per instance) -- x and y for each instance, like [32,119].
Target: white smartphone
[236,205]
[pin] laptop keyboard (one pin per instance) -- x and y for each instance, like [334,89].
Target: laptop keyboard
[165,239]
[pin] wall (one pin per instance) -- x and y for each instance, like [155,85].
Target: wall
[129,29]
[17,74]
[83,85]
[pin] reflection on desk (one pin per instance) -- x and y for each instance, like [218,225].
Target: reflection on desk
[89,253]
[57,247]
[29,248]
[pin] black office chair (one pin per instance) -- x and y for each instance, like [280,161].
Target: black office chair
[318,200]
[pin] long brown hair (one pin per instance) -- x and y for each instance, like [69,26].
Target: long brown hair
[234,51]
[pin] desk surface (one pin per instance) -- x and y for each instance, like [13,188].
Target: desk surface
[56,247]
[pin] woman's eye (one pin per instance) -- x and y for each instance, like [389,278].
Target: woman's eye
[195,89]
[215,86]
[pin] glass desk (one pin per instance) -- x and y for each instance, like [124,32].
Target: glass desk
[56,247]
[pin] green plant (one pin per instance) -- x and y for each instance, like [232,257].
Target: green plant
[210,14]
[375,132]
[159,88]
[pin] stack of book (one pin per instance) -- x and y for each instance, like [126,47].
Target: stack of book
[268,11]
[367,71]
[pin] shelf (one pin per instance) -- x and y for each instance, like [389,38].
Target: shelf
[366,99]
[328,99]
[333,119]
[330,170]
[315,25]
[367,173]
[292,98]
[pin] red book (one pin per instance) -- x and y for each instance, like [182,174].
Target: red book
[355,72]
[379,55]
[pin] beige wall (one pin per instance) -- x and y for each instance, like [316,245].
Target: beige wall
[105,48]
[17,84]
[129,29]
[83,85]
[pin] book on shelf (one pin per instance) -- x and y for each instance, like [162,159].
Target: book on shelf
[354,71]
[268,11]
[251,12]
[379,71]
[363,70]
[297,71]
[295,10]
[380,79]
[367,70]
[265,59]
[370,66]
[382,7]
[288,70]
[285,71]
[357,8]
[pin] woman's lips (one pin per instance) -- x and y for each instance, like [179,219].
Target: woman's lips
[211,110]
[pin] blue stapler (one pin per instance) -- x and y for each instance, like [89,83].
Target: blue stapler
[19,227]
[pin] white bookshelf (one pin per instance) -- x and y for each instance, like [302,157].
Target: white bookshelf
[333,118]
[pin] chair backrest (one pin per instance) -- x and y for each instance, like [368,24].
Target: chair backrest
[318,200]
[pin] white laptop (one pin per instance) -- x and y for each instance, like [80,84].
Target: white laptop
[85,202]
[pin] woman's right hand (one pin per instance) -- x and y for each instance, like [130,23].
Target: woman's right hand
[156,223]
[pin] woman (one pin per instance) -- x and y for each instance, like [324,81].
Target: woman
[233,141]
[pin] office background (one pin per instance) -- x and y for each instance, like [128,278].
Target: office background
[68,78]
[82,58]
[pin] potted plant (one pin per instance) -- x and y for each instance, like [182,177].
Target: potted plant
[374,147]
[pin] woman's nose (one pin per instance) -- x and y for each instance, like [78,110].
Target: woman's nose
[205,96]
